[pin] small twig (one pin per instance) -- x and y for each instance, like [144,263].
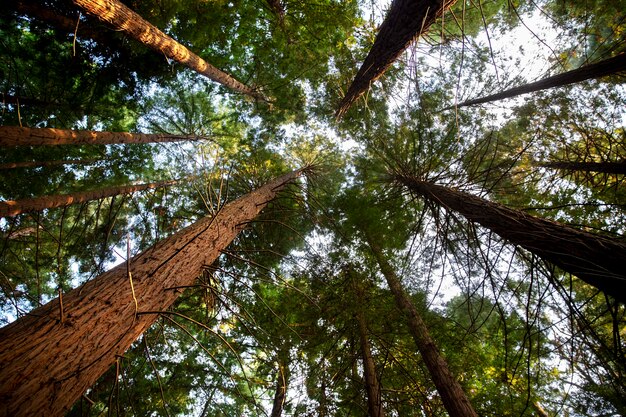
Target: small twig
[61,314]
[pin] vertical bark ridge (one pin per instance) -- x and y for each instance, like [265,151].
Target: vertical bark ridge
[599,261]
[372,386]
[48,361]
[124,19]
[28,136]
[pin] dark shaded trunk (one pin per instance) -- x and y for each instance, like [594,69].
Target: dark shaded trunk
[452,395]
[404,23]
[27,136]
[280,393]
[372,387]
[35,164]
[25,101]
[123,19]
[13,208]
[602,167]
[52,355]
[597,260]
[600,69]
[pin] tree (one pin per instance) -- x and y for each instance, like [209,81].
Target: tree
[13,208]
[26,136]
[124,19]
[610,66]
[33,164]
[75,338]
[406,21]
[595,259]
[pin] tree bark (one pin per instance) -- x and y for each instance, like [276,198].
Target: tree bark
[35,164]
[372,387]
[125,20]
[597,260]
[404,23]
[618,168]
[27,136]
[600,69]
[14,207]
[282,378]
[452,395]
[52,355]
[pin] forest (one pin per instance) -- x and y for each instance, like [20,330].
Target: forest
[313,208]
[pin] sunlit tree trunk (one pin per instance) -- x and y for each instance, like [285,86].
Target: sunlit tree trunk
[27,136]
[372,387]
[35,164]
[404,23]
[600,69]
[52,355]
[601,167]
[15,207]
[125,20]
[597,260]
[452,395]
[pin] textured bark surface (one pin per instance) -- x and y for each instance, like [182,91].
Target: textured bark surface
[48,360]
[602,167]
[372,387]
[124,19]
[34,164]
[13,208]
[601,69]
[452,395]
[599,261]
[280,393]
[404,23]
[27,136]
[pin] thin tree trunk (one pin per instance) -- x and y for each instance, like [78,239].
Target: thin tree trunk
[372,387]
[27,136]
[282,378]
[602,167]
[405,22]
[597,260]
[34,164]
[24,101]
[52,355]
[600,69]
[14,207]
[452,395]
[124,19]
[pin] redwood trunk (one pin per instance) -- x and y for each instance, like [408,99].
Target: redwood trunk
[602,167]
[452,395]
[123,19]
[34,164]
[281,389]
[48,358]
[600,69]
[13,208]
[405,22]
[599,261]
[372,387]
[27,136]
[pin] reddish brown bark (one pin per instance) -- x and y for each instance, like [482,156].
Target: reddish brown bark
[27,136]
[597,260]
[49,359]
[125,20]
[405,22]
[34,164]
[15,207]
[452,395]
[372,387]
[600,69]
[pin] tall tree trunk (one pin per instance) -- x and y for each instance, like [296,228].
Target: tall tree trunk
[27,136]
[597,260]
[34,164]
[602,167]
[600,69]
[125,20]
[14,207]
[372,387]
[52,355]
[452,395]
[405,22]
[24,101]
[282,379]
